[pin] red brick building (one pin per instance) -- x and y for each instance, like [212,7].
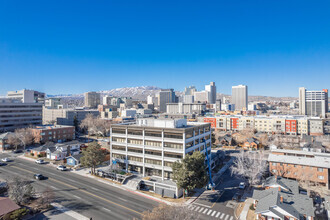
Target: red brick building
[55,133]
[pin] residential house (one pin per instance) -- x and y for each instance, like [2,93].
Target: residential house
[281,200]
[73,160]
[252,144]
[227,140]
[55,133]
[4,141]
[62,150]
[41,150]
[7,206]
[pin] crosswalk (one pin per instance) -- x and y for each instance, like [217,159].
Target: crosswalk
[210,212]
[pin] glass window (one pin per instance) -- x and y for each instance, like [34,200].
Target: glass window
[320,169]
[121,140]
[153,143]
[151,152]
[116,147]
[138,159]
[172,155]
[153,134]
[134,132]
[134,141]
[118,131]
[173,145]
[320,177]
[150,161]
[189,134]
[190,144]
[173,135]
[119,156]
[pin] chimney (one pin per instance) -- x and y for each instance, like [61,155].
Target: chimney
[281,198]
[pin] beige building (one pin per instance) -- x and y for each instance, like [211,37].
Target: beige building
[15,114]
[151,146]
[92,99]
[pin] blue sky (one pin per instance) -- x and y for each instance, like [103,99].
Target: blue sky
[272,46]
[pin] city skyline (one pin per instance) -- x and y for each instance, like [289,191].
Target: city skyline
[113,45]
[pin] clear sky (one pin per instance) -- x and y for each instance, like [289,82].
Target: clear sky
[66,46]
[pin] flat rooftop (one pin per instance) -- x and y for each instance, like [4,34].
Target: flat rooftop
[42,127]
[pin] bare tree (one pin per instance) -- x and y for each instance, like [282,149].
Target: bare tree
[243,135]
[250,165]
[264,139]
[95,125]
[166,212]
[20,191]
[47,197]
[21,137]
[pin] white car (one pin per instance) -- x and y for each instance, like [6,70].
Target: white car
[242,185]
[6,159]
[62,168]
[40,161]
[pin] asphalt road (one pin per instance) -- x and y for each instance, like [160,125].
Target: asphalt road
[218,204]
[86,196]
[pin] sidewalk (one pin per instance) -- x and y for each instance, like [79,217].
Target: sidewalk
[245,210]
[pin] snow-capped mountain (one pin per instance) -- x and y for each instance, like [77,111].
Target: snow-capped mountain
[140,92]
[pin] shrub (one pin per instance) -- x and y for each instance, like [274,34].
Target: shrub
[252,207]
[122,173]
[39,155]
[19,213]
[32,154]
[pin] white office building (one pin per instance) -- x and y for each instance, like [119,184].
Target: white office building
[313,103]
[27,96]
[212,89]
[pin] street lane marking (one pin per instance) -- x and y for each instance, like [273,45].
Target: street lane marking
[227,216]
[122,199]
[53,187]
[209,212]
[214,213]
[95,189]
[205,211]
[77,196]
[222,215]
[195,203]
[86,192]
[201,209]
[218,214]
[197,207]
[231,218]
[106,209]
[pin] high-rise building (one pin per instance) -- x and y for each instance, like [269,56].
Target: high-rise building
[190,90]
[188,99]
[313,103]
[166,96]
[27,96]
[152,100]
[92,99]
[239,97]
[202,96]
[212,89]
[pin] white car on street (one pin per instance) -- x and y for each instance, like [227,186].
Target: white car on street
[6,159]
[242,185]
[40,161]
[62,168]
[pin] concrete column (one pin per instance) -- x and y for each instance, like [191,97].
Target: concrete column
[143,160]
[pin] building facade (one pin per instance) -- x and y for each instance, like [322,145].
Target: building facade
[151,146]
[92,99]
[212,89]
[300,165]
[164,97]
[313,103]
[240,97]
[14,114]
[184,108]
[27,96]
[65,116]
[55,133]
[294,125]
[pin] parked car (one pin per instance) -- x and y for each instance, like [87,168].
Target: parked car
[242,185]
[62,168]
[39,176]
[6,159]
[40,161]
[2,164]
[17,151]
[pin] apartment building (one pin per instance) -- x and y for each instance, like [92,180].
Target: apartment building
[300,165]
[15,114]
[65,116]
[55,133]
[52,103]
[92,99]
[294,125]
[151,146]
[27,96]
